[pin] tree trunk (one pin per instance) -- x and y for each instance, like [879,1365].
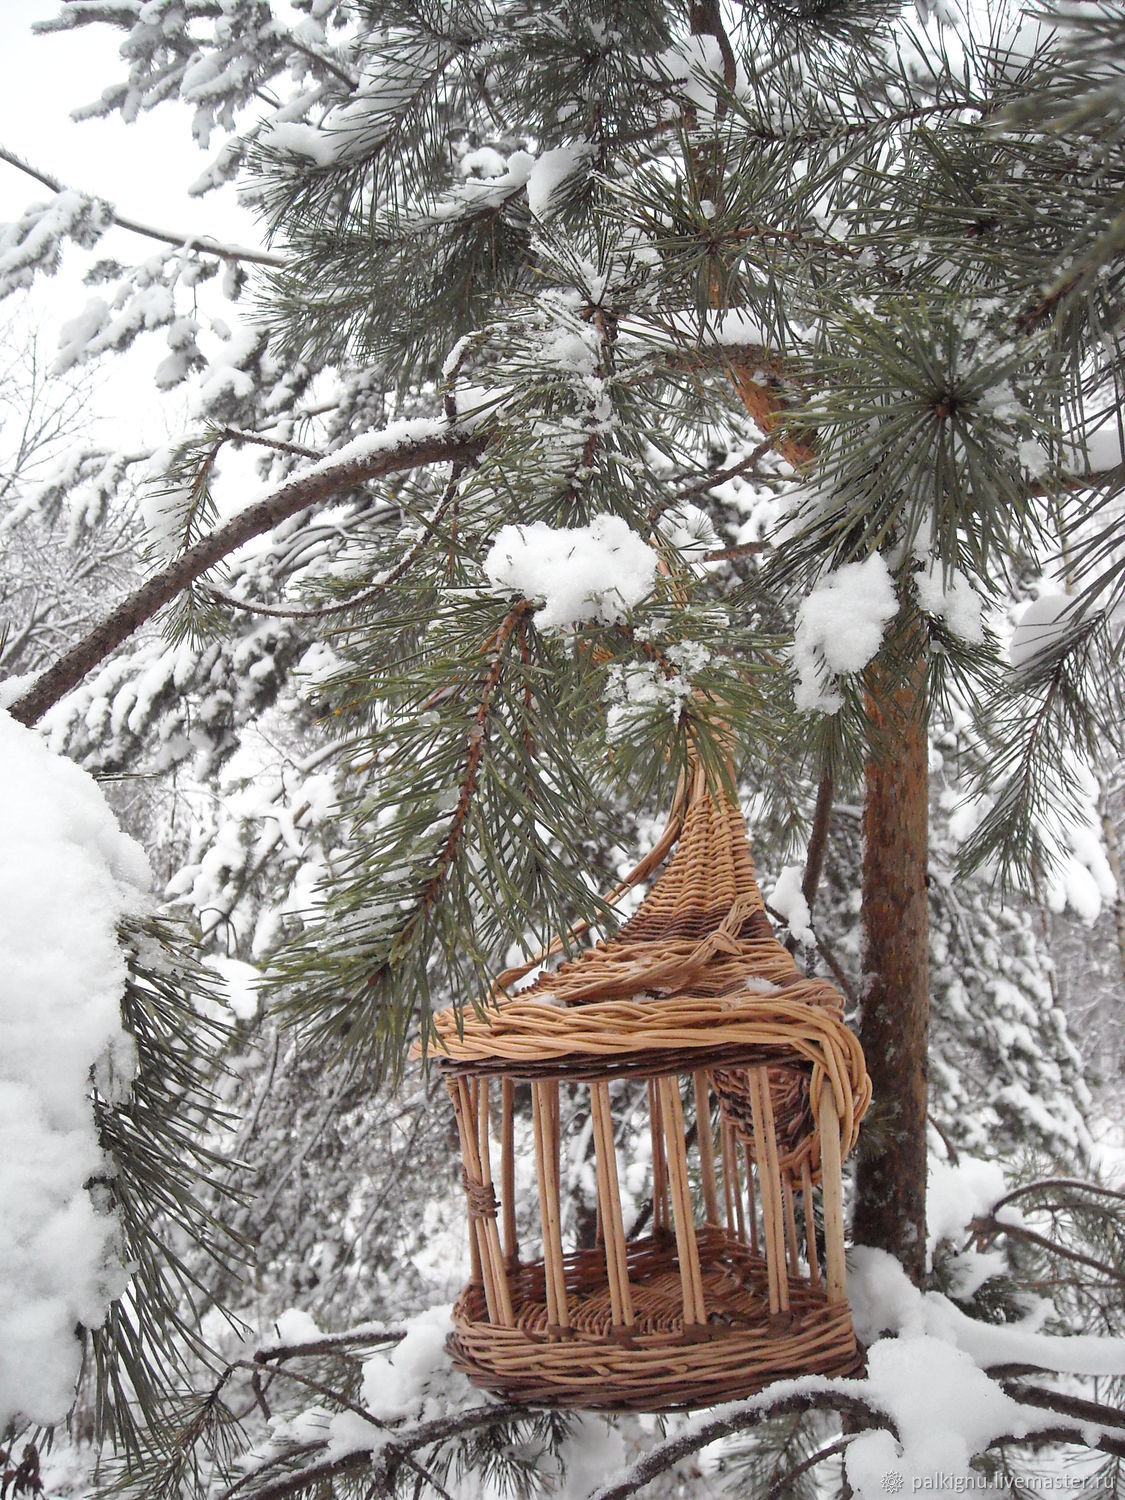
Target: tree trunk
[890,1206]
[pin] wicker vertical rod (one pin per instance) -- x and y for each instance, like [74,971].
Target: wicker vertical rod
[773,1169]
[679,1191]
[491,1233]
[706,1145]
[543,1096]
[476,1272]
[542,1183]
[832,1197]
[609,1198]
[659,1169]
[769,1179]
[473,1129]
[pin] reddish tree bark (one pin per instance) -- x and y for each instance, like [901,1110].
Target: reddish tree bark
[890,1204]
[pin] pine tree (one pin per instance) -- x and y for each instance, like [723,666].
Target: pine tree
[812,305]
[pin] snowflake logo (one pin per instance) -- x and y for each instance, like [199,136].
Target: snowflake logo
[892,1481]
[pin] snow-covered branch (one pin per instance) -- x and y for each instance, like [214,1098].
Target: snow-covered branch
[406,445]
[785,1398]
[204,242]
[1079,1425]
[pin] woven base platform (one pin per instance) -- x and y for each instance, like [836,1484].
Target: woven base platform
[658,1366]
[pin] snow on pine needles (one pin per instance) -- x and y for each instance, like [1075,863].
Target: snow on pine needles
[594,572]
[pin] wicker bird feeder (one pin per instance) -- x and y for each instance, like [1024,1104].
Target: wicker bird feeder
[751,1089]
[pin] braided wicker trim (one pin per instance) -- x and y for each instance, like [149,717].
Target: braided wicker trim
[534,1032]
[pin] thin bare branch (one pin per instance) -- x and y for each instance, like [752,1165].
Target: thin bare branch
[780,1485]
[720,476]
[991,1227]
[1074,1183]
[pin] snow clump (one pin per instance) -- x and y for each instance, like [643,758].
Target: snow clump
[635,690]
[595,572]
[415,1378]
[550,171]
[1042,625]
[840,628]
[68,875]
[954,601]
[930,1377]
[788,900]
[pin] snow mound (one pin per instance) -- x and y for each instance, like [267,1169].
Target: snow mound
[68,874]
[415,1378]
[930,1379]
[958,1193]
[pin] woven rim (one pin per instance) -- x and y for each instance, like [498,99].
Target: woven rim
[661,1366]
[533,1034]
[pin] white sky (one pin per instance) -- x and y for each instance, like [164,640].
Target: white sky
[142,169]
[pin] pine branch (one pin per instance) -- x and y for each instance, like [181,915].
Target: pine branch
[203,242]
[1065,1405]
[746,465]
[366,596]
[830,1396]
[989,1228]
[1078,1433]
[331,1343]
[1074,1183]
[476,741]
[323,482]
[779,1486]
[778,1401]
[383,1465]
[818,838]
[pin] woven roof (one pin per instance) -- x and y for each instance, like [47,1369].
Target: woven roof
[696,970]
